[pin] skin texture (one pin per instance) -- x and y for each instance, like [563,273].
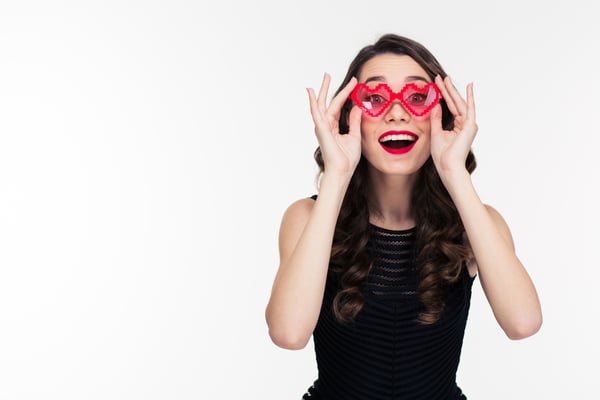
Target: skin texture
[307,227]
[385,68]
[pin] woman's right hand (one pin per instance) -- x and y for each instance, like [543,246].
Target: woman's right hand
[341,153]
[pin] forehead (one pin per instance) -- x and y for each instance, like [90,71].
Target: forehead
[392,68]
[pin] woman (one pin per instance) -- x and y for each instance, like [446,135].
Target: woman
[379,266]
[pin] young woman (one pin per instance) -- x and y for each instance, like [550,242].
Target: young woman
[378,267]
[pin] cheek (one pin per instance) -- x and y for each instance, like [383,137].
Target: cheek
[368,130]
[424,124]
[368,124]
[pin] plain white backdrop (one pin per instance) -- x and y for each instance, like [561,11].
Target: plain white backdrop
[148,150]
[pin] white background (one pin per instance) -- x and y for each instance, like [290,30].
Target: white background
[149,148]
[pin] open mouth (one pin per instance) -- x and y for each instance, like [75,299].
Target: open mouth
[398,142]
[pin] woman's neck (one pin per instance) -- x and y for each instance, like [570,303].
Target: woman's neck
[390,206]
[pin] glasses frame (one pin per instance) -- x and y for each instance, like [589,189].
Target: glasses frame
[396,96]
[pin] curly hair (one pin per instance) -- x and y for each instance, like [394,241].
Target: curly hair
[441,254]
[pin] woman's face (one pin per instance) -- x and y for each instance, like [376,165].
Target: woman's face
[395,142]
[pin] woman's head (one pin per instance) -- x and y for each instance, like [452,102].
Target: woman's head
[395,94]
[399,45]
[395,45]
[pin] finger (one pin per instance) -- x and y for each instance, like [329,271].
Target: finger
[315,111]
[338,101]
[354,121]
[441,84]
[312,101]
[322,99]
[457,99]
[470,103]
[321,125]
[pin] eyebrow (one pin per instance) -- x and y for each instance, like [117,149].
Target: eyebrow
[408,78]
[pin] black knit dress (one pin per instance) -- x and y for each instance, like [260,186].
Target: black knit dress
[385,354]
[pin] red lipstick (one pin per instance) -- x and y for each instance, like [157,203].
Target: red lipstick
[398,142]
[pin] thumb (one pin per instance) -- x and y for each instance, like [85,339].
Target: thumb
[436,119]
[354,121]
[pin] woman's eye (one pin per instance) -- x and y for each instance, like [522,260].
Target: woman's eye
[376,99]
[416,98]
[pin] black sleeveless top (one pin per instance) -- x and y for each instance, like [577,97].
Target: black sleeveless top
[385,354]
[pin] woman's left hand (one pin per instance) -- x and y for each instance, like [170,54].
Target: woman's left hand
[449,148]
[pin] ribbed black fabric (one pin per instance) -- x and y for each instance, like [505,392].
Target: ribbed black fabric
[385,354]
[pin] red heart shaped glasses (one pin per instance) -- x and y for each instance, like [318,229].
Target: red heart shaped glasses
[418,100]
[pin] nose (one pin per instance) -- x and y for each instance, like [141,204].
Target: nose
[396,112]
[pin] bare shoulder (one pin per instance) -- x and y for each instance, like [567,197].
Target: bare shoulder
[500,222]
[298,211]
[293,222]
[502,227]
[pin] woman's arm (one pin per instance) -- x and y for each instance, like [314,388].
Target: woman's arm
[305,240]
[307,228]
[505,282]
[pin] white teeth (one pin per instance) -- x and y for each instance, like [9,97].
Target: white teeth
[398,137]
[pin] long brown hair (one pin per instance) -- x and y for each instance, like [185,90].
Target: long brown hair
[441,255]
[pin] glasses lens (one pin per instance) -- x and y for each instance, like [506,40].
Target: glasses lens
[372,100]
[420,99]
